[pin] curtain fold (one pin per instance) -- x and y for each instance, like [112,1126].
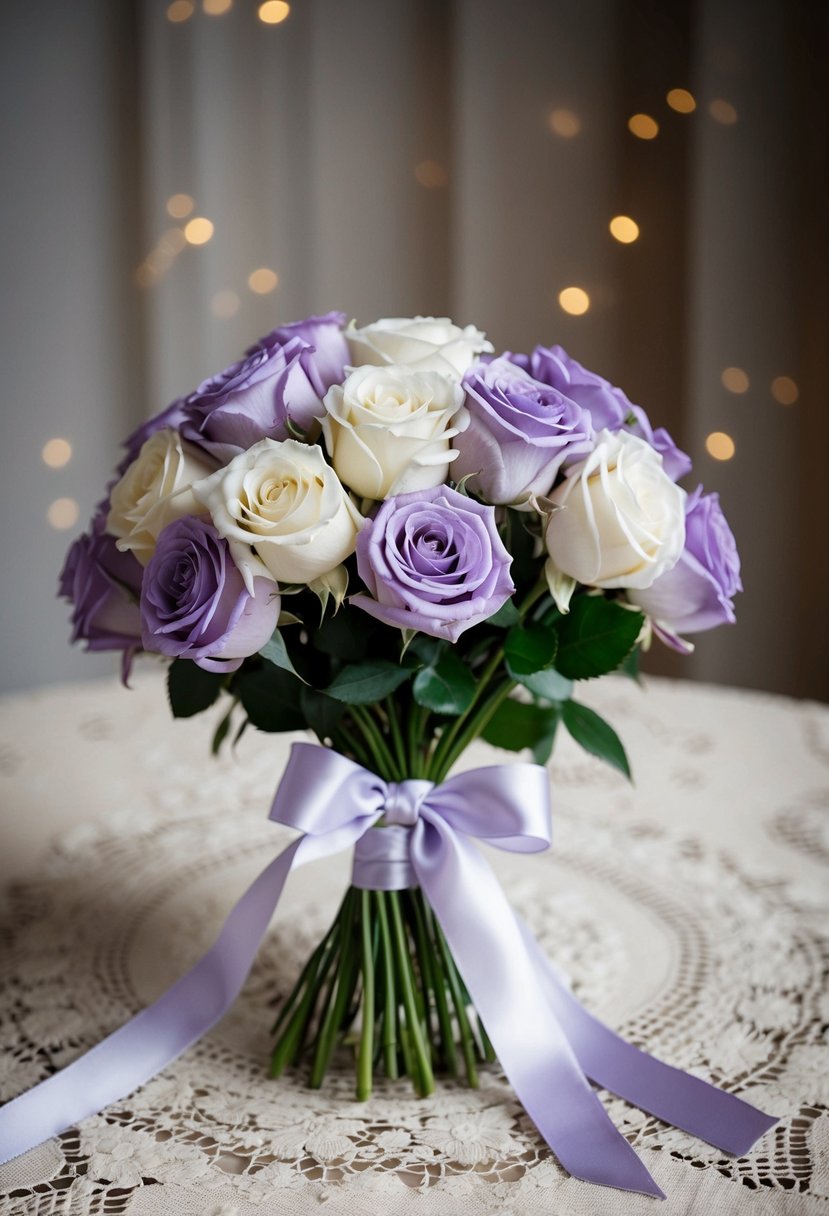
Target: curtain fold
[390,157]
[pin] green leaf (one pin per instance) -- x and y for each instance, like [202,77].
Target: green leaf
[345,636]
[276,652]
[427,649]
[595,735]
[270,698]
[595,636]
[515,726]
[190,688]
[365,683]
[549,685]
[221,731]
[322,713]
[529,648]
[448,687]
[506,616]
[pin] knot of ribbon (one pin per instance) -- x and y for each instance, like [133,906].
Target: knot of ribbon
[549,1046]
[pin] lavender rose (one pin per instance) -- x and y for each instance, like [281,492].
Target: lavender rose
[520,434]
[194,603]
[610,409]
[103,584]
[433,561]
[327,354]
[697,593]
[256,398]
[172,417]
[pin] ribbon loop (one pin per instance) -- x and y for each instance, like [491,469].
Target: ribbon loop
[546,1042]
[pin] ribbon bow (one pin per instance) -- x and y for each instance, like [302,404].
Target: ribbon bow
[548,1045]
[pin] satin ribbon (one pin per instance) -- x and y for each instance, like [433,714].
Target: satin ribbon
[547,1044]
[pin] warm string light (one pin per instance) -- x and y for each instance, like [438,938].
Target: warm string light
[180,10]
[682,101]
[198,231]
[179,206]
[624,229]
[722,112]
[565,123]
[215,8]
[574,300]
[263,281]
[720,445]
[734,379]
[63,513]
[784,390]
[643,126]
[56,453]
[273,12]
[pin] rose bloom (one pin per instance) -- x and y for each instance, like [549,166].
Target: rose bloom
[520,434]
[621,520]
[610,409]
[170,418]
[433,561]
[697,593]
[194,603]
[284,511]
[429,344]
[154,490]
[103,584]
[256,398]
[326,355]
[388,429]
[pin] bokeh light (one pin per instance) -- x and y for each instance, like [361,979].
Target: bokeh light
[624,229]
[643,126]
[56,453]
[723,112]
[682,101]
[180,10]
[215,8]
[574,300]
[735,379]
[272,12]
[179,206]
[63,513]
[565,123]
[198,231]
[720,445]
[263,280]
[784,390]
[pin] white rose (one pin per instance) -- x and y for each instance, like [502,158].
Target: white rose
[388,429]
[430,344]
[156,489]
[283,511]
[621,521]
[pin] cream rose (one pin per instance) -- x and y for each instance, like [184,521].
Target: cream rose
[621,520]
[283,510]
[156,489]
[388,429]
[429,344]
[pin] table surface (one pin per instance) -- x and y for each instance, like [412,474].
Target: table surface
[689,909]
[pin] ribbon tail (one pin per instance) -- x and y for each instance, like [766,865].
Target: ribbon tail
[676,1097]
[141,1048]
[506,989]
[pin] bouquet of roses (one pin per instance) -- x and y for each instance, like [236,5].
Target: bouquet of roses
[401,542]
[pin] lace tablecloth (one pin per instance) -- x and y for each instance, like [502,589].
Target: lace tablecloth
[690,911]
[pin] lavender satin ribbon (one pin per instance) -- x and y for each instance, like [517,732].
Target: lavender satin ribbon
[546,1042]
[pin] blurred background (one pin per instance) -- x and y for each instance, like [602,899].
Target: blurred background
[644,183]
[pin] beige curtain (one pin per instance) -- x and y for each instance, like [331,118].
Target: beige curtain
[400,156]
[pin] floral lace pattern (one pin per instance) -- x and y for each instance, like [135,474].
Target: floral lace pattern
[690,912]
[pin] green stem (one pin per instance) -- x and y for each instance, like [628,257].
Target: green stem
[390,996]
[289,1045]
[474,728]
[365,1059]
[384,762]
[397,739]
[293,997]
[432,982]
[335,1008]
[422,1075]
[464,1029]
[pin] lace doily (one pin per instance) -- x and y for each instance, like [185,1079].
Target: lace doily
[690,912]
